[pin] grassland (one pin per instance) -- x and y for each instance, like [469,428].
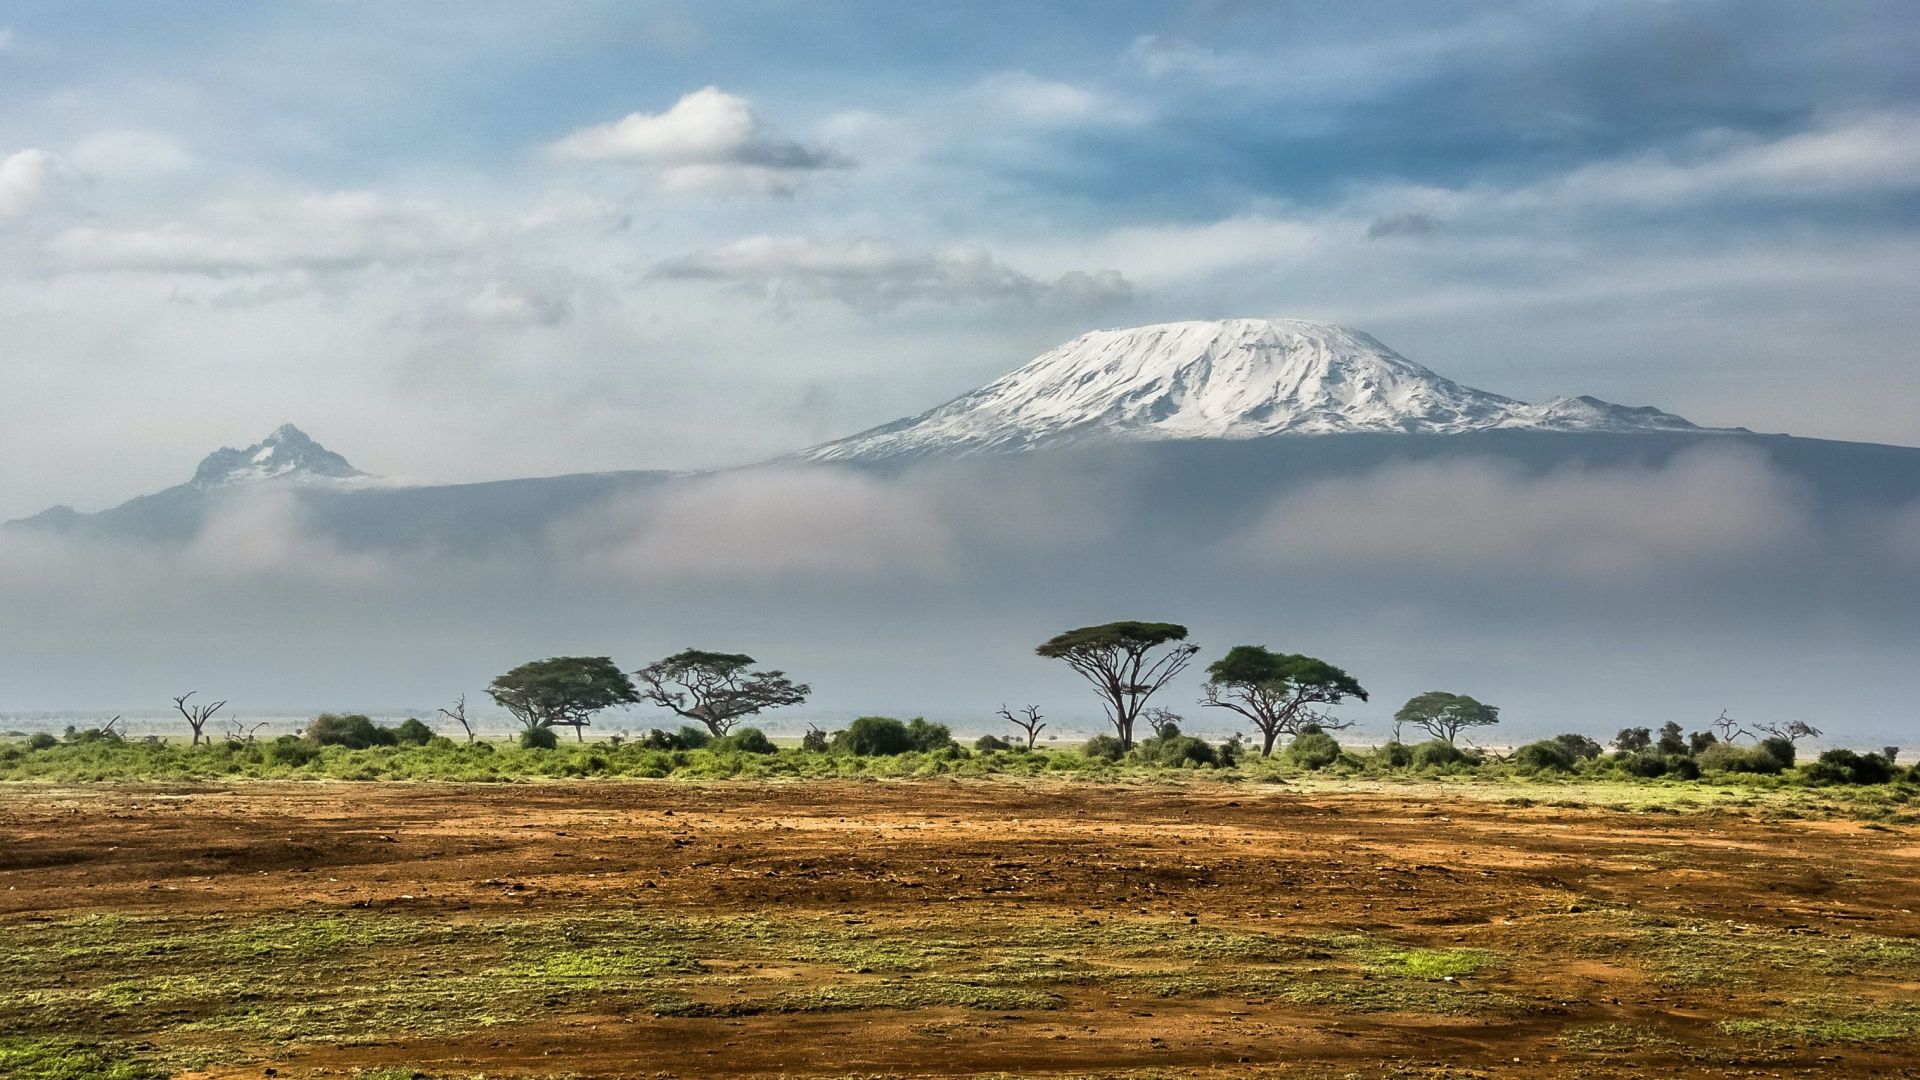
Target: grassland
[944,926]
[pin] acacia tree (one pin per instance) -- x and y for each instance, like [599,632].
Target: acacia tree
[1445,716]
[1792,731]
[1029,721]
[717,688]
[562,691]
[1127,662]
[1276,692]
[196,715]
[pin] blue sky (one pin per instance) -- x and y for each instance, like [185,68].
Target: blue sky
[459,241]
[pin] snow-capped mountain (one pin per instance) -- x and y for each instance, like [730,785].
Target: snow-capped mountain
[1231,379]
[287,455]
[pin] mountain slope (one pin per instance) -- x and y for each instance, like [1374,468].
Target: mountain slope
[1232,379]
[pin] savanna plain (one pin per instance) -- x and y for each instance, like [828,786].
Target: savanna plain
[1167,923]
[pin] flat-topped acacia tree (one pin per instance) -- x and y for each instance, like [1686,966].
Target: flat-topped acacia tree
[717,688]
[1276,692]
[562,691]
[1445,716]
[1127,663]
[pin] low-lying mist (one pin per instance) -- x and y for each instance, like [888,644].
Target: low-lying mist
[1582,594]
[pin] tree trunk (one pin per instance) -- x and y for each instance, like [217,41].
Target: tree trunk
[1267,740]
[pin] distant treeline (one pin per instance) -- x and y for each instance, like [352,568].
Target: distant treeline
[1279,696]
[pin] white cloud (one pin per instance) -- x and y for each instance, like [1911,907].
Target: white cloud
[1706,510]
[495,269]
[1330,69]
[1043,102]
[809,523]
[255,538]
[124,153]
[1879,151]
[26,178]
[320,232]
[708,139]
[1176,252]
[519,300]
[874,275]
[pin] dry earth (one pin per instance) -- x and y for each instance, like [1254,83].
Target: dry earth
[943,928]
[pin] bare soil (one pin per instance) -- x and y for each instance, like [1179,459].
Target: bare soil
[1417,932]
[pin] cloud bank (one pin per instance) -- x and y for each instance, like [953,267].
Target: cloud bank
[873,275]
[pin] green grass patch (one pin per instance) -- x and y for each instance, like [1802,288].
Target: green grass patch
[1431,963]
[1881,1023]
[60,1059]
[1616,1039]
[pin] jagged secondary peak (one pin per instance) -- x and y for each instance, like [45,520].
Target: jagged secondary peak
[286,454]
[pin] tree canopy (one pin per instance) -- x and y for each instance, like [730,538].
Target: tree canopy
[1444,716]
[716,688]
[1276,692]
[1127,662]
[562,691]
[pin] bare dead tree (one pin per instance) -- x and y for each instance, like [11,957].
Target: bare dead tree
[1164,722]
[1792,731]
[458,714]
[1028,721]
[1486,753]
[1728,729]
[108,730]
[196,715]
[242,733]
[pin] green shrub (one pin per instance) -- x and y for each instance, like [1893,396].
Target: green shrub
[1781,750]
[1104,748]
[1547,755]
[747,741]
[873,736]
[1726,757]
[290,750]
[927,738]
[1313,749]
[687,737]
[412,732]
[987,744]
[1176,751]
[1642,763]
[1846,767]
[1580,746]
[353,731]
[815,741]
[1682,767]
[1439,753]
[1394,755]
[539,738]
[42,740]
